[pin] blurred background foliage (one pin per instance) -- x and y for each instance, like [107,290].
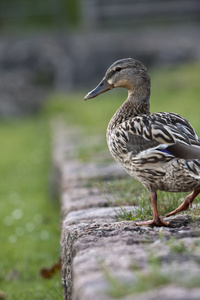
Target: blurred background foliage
[23,15]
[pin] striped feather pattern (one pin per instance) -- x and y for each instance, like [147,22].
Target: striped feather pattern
[145,146]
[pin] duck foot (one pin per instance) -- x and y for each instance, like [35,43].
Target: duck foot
[186,204]
[155,222]
[182,207]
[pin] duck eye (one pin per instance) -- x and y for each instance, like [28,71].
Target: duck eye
[118,69]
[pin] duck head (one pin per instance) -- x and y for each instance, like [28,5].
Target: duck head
[126,73]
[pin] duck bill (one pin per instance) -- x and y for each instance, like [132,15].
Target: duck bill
[102,87]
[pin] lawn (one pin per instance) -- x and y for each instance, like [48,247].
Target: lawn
[29,220]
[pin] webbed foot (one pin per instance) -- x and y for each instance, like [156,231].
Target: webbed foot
[155,222]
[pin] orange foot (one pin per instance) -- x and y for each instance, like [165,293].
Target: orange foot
[183,206]
[155,222]
[186,204]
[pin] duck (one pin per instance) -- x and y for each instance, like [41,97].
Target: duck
[161,150]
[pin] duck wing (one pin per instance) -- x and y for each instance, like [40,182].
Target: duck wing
[167,132]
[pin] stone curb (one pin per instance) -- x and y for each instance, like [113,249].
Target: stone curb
[99,253]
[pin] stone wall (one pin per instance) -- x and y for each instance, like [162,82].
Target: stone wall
[101,254]
[32,66]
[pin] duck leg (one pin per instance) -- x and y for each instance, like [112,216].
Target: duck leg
[186,204]
[157,220]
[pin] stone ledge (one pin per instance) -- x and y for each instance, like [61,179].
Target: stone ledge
[96,248]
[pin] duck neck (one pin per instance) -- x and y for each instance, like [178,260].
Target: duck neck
[131,108]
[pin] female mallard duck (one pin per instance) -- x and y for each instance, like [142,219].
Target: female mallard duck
[161,150]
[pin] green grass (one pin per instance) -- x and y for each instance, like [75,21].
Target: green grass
[129,192]
[177,90]
[30,223]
